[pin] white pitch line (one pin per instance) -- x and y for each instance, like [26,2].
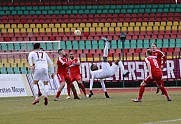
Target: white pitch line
[166,121]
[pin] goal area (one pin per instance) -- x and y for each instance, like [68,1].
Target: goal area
[13,55]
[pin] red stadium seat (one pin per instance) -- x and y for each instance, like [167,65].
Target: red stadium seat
[58,38]
[45,38]
[79,51]
[164,49]
[32,39]
[170,50]
[131,50]
[20,39]
[39,38]
[1,39]
[27,39]
[77,38]
[92,51]
[85,51]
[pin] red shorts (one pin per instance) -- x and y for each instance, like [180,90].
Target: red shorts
[76,77]
[64,78]
[157,77]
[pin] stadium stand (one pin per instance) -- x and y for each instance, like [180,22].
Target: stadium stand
[144,22]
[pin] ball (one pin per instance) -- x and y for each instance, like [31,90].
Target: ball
[77,32]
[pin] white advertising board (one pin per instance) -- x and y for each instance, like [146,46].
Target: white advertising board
[12,85]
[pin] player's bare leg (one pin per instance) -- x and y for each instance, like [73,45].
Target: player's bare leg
[35,87]
[68,91]
[62,84]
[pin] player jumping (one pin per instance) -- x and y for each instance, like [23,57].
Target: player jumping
[75,74]
[155,74]
[41,61]
[62,74]
[106,71]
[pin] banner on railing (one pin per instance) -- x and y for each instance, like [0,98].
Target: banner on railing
[138,70]
[14,85]
[53,85]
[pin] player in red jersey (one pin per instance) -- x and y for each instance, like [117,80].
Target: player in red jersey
[155,74]
[75,73]
[161,58]
[62,74]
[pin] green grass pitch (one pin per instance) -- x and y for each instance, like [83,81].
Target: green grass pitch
[119,109]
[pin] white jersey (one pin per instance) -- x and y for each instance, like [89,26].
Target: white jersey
[40,59]
[105,72]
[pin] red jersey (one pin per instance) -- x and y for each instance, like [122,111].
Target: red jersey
[74,69]
[159,55]
[155,69]
[62,64]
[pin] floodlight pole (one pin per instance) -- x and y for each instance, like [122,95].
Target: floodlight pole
[123,38]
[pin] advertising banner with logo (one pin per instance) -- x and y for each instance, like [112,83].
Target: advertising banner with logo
[138,70]
[14,85]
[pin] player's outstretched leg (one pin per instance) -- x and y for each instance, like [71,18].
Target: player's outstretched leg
[121,67]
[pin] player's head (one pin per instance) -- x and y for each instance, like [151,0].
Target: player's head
[94,67]
[71,55]
[148,52]
[37,46]
[153,46]
[61,52]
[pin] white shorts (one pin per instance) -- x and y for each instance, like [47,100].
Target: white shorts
[41,74]
[108,70]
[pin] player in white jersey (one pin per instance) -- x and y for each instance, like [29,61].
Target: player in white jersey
[106,71]
[41,61]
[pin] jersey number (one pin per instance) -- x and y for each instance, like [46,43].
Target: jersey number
[155,63]
[40,55]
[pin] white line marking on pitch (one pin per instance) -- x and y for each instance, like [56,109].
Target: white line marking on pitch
[166,121]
